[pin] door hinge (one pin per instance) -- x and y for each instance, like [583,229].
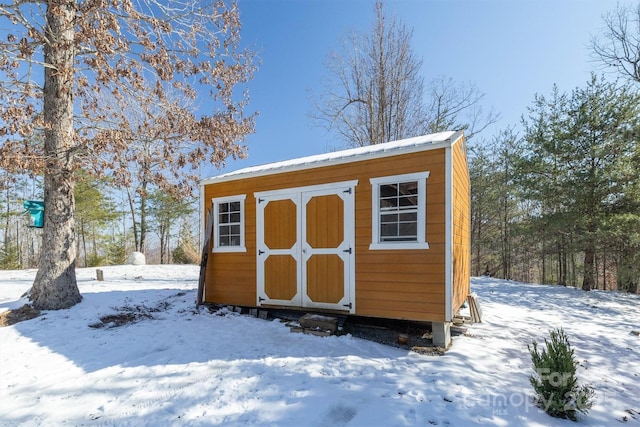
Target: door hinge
[347,251]
[260,252]
[260,299]
[348,305]
[348,190]
[260,200]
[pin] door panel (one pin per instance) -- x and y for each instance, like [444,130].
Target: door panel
[325,279]
[281,231]
[325,221]
[326,250]
[281,277]
[278,252]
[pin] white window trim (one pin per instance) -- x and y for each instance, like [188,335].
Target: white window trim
[216,242]
[421,243]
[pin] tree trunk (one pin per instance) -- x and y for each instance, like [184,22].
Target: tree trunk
[604,270]
[588,281]
[563,260]
[84,243]
[478,235]
[55,284]
[162,243]
[8,215]
[95,244]
[544,264]
[132,209]
[18,247]
[143,217]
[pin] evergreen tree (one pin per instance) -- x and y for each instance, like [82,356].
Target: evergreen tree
[94,212]
[116,251]
[165,209]
[9,259]
[555,381]
[187,251]
[578,163]
[494,205]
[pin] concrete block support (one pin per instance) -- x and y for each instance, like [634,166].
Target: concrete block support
[441,332]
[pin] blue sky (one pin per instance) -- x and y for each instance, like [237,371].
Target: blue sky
[509,49]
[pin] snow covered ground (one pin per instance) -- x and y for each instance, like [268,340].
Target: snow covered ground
[187,368]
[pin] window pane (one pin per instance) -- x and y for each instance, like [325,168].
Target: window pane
[234,217]
[223,207]
[408,188]
[235,229]
[388,203]
[408,201]
[409,217]
[388,190]
[388,218]
[234,241]
[409,229]
[388,230]
[234,207]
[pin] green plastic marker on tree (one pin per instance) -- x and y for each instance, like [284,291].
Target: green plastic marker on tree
[36,212]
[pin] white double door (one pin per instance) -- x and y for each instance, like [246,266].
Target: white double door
[305,244]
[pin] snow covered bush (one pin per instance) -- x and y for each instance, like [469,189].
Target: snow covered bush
[555,381]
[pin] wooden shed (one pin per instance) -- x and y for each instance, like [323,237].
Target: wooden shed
[380,231]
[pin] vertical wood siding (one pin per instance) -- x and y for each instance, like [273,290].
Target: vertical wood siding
[403,284]
[461,226]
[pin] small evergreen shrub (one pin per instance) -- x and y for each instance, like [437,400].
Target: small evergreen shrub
[116,253]
[9,257]
[95,260]
[187,251]
[185,254]
[555,381]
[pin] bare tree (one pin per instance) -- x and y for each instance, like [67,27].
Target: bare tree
[375,91]
[619,45]
[128,48]
[153,156]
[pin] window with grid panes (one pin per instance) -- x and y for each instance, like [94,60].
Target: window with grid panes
[229,224]
[399,211]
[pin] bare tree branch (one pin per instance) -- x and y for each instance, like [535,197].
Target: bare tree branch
[619,45]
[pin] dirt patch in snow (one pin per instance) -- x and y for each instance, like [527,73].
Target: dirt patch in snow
[120,319]
[11,317]
[130,314]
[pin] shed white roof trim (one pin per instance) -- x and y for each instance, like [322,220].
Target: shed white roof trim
[360,153]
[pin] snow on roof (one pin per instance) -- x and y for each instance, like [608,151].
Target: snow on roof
[361,153]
